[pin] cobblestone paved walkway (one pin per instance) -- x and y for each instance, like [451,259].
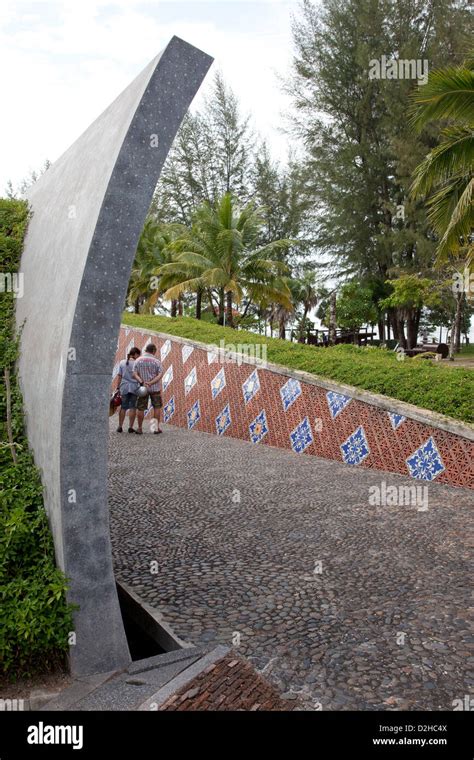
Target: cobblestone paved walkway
[349,605]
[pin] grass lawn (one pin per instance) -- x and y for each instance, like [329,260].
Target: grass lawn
[444,389]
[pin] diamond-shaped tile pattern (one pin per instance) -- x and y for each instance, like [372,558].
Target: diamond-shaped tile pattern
[290,392]
[356,448]
[194,414]
[251,386]
[258,427]
[190,381]
[186,352]
[299,416]
[218,383]
[301,437]
[223,420]
[426,462]
[165,350]
[396,419]
[337,402]
[168,410]
[167,378]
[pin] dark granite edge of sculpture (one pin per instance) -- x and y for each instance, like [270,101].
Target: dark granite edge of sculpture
[76,485]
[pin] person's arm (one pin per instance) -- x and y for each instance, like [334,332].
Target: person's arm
[117,380]
[156,378]
[136,375]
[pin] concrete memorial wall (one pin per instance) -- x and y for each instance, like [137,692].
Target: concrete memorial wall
[88,210]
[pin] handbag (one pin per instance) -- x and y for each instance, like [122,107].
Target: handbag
[115,402]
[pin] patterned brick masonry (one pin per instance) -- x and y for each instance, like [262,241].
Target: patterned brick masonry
[229,684]
[263,406]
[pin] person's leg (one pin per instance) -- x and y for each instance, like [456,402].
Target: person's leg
[122,413]
[157,418]
[132,412]
[157,404]
[140,416]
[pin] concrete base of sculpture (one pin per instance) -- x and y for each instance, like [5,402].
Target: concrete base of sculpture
[88,212]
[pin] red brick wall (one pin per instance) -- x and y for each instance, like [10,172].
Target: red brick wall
[445,456]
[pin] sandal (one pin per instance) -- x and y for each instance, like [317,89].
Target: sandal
[157,432]
[131,430]
[139,432]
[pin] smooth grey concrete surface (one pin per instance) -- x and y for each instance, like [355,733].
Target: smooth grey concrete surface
[88,212]
[130,689]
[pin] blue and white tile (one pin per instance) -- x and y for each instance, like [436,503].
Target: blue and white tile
[301,437]
[290,392]
[186,352]
[259,427]
[337,402]
[223,420]
[190,381]
[426,463]
[396,419]
[251,386]
[218,383]
[168,410]
[165,349]
[167,378]
[194,415]
[211,357]
[356,448]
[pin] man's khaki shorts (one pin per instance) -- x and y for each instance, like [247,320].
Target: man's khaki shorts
[156,401]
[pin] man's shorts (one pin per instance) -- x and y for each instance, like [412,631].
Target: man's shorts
[156,402]
[129,401]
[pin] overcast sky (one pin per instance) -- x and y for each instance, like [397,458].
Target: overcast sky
[64,61]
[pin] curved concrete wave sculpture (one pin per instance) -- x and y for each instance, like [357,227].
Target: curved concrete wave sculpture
[88,212]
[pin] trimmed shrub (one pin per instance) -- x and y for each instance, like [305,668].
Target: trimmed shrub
[444,389]
[35,618]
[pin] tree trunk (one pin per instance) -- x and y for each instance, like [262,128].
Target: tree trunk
[221,306]
[136,305]
[282,326]
[388,328]
[198,303]
[412,333]
[332,319]
[211,302]
[398,328]
[301,337]
[180,308]
[228,311]
[455,326]
[381,329]
[174,307]
[457,343]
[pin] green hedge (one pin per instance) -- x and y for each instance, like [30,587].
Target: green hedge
[35,618]
[444,389]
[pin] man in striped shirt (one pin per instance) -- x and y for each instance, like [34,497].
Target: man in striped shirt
[148,371]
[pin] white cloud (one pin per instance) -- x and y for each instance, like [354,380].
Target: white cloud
[66,61]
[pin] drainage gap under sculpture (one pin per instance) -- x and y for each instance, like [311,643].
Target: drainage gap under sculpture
[88,210]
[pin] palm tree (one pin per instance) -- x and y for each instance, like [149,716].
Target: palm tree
[448,170]
[220,251]
[307,295]
[153,250]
